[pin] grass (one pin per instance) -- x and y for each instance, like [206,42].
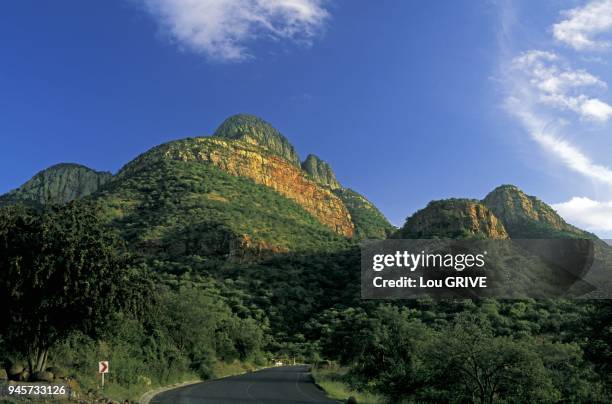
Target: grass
[119,392]
[223,369]
[331,380]
[220,369]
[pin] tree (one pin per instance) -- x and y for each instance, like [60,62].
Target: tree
[392,360]
[471,364]
[192,319]
[598,335]
[61,270]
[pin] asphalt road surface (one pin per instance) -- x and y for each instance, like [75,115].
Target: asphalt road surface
[287,384]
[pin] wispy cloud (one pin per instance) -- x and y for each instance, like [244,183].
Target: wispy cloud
[541,129]
[556,102]
[222,29]
[582,25]
[560,86]
[587,213]
[536,88]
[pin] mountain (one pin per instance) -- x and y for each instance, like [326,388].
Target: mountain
[184,215]
[254,130]
[506,212]
[243,159]
[243,146]
[60,184]
[453,218]
[320,171]
[526,216]
[238,193]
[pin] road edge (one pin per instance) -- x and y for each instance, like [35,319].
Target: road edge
[147,396]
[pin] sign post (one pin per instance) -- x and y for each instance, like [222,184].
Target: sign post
[102,369]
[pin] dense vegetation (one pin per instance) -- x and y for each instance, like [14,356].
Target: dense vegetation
[204,313]
[472,351]
[369,222]
[62,271]
[72,295]
[191,213]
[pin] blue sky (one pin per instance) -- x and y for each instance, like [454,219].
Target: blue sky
[408,101]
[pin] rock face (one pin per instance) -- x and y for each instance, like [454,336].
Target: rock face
[320,171]
[254,130]
[369,222]
[243,249]
[60,184]
[454,218]
[173,211]
[526,216]
[264,167]
[505,212]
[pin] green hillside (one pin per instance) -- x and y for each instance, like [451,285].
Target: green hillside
[369,221]
[187,213]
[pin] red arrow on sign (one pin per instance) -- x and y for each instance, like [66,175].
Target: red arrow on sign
[103,367]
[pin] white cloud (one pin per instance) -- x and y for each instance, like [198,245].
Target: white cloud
[221,29]
[586,213]
[596,110]
[560,86]
[583,24]
[540,130]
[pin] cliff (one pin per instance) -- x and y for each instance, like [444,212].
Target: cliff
[264,167]
[175,211]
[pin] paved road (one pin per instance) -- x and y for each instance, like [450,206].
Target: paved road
[286,385]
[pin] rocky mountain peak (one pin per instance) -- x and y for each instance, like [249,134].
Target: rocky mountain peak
[242,159]
[526,216]
[254,130]
[320,171]
[454,218]
[60,184]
